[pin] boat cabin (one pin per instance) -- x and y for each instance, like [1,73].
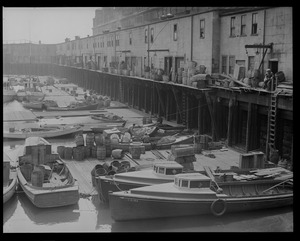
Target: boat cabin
[192,180]
[167,168]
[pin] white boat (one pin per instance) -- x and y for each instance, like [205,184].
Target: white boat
[9,179]
[44,132]
[44,177]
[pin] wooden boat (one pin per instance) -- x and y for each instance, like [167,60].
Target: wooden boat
[99,128]
[175,140]
[44,177]
[45,132]
[39,105]
[161,172]
[108,118]
[9,179]
[194,194]
[93,106]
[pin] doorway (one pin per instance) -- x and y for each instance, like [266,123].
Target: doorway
[168,65]
[273,65]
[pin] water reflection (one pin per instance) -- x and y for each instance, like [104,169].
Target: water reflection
[49,216]
[9,208]
[280,219]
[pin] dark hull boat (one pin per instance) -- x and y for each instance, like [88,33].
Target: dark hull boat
[72,108]
[9,179]
[193,194]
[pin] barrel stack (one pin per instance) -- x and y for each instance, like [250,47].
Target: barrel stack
[79,150]
[184,155]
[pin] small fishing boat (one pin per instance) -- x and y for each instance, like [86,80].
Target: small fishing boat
[9,94]
[39,105]
[108,118]
[162,172]
[45,132]
[194,194]
[93,106]
[9,179]
[167,141]
[99,128]
[44,177]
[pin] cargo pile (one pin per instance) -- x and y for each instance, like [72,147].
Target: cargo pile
[184,155]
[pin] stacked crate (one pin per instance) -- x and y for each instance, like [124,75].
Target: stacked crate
[184,155]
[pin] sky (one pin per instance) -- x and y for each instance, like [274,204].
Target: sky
[45,24]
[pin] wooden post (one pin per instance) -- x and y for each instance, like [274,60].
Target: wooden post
[230,120]
[178,109]
[200,116]
[168,107]
[248,131]
[133,95]
[146,89]
[188,119]
[138,97]
[160,99]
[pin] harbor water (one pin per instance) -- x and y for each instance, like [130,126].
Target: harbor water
[89,215]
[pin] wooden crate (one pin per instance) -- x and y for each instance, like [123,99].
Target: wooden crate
[181,151]
[259,161]
[246,161]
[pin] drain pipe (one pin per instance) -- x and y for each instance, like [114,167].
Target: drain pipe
[192,25]
[264,33]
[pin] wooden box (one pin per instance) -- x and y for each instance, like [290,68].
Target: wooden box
[183,150]
[246,161]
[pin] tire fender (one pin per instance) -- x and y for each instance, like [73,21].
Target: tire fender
[213,205]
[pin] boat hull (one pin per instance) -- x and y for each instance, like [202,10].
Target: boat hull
[49,198]
[88,107]
[106,185]
[130,207]
[43,134]
[37,106]
[9,191]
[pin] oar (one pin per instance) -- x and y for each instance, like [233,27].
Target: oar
[276,185]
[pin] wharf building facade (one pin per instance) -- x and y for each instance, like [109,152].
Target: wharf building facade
[150,39]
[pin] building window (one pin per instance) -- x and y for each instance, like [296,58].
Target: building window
[175,32]
[251,62]
[224,64]
[152,35]
[243,25]
[231,64]
[130,38]
[232,27]
[254,23]
[146,35]
[202,28]
[112,40]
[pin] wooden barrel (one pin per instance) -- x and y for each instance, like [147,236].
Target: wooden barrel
[125,164]
[100,104]
[37,177]
[11,129]
[61,151]
[107,102]
[99,139]
[98,171]
[115,165]
[78,153]
[79,140]
[87,151]
[94,151]
[68,153]
[135,151]
[101,152]
[197,148]
[147,120]
[90,139]
[117,153]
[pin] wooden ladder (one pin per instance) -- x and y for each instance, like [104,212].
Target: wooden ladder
[271,135]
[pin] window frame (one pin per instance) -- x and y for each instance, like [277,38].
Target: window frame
[130,38]
[202,30]
[226,64]
[229,67]
[175,32]
[232,26]
[146,36]
[254,24]
[243,25]
[152,35]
